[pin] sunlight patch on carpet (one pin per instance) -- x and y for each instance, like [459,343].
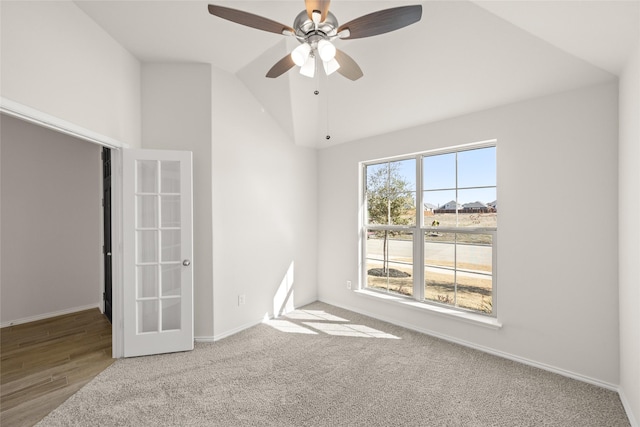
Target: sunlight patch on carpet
[312,322]
[314,315]
[289,327]
[344,330]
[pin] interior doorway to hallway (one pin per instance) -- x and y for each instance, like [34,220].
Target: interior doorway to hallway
[106,250]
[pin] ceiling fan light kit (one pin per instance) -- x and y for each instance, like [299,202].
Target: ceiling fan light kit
[331,66]
[326,50]
[315,28]
[309,67]
[301,54]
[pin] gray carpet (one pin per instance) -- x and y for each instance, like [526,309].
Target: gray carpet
[324,366]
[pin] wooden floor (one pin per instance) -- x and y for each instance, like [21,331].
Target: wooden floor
[43,363]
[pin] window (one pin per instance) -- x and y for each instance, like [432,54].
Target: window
[430,227]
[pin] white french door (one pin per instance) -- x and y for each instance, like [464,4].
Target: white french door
[157,251]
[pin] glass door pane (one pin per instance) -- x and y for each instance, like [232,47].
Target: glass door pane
[170,314]
[170,245]
[147,281]
[170,211]
[171,280]
[170,177]
[147,316]
[146,176]
[147,212]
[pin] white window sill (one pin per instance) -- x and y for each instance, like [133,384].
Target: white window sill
[476,319]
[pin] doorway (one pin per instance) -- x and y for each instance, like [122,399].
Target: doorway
[106,250]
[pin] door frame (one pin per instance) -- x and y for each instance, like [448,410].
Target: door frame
[117,280]
[32,115]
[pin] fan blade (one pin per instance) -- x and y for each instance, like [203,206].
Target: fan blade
[348,66]
[382,21]
[281,67]
[320,5]
[248,19]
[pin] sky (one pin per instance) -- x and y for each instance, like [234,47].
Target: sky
[475,168]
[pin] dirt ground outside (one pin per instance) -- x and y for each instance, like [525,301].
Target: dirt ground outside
[473,292]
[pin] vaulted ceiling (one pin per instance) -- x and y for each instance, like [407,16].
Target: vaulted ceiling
[463,56]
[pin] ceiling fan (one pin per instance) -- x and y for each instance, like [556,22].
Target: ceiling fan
[315,28]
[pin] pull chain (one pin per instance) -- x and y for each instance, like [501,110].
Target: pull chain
[328,134]
[326,91]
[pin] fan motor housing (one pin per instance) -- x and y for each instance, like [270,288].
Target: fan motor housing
[306,30]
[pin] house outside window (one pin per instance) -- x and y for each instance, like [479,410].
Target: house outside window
[429,227]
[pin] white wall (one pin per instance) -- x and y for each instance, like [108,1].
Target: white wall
[57,60]
[629,235]
[176,115]
[557,268]
[51,222]
[254,195]
[264,211]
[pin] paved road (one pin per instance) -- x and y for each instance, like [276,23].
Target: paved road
[401,250]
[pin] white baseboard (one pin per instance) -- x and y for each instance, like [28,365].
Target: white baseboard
[484,349]
[234,331]
[627,407]
[48,315]
[241,328]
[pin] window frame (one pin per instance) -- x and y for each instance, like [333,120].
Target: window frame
[420,228]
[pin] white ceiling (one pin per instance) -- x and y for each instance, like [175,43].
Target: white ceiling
[461,57]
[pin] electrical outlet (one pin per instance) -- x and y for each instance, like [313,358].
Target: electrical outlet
[241,299]
[348,284]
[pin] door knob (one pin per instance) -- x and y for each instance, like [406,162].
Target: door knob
[108,253]
[186,263]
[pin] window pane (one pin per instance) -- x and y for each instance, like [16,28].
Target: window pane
[391,197]
[458,270]
[435,200]
[377,210]
[439,208]
[477,168]
[474,291]
[390,261]
[377,177]
[403,209]
[439,172]
[374,265]
[402,176]
[477,207]
[474,265]
[439,263]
